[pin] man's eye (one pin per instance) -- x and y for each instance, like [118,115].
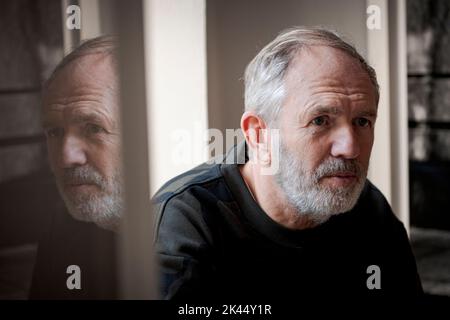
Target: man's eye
[363,122]
[54,132]
[320,121]
[94,129]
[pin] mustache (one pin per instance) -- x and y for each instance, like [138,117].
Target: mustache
[338,166]
[82,175]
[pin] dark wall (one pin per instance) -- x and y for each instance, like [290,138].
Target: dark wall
[428,24]
[30,46]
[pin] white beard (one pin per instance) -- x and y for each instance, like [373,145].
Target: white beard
[305,193]
[104,208]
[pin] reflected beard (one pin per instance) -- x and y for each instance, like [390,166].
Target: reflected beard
[308,196]
[103,207]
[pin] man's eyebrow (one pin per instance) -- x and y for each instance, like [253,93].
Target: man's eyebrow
[324,109]
[88,117]
[368,113]
[336,110]
[80,117]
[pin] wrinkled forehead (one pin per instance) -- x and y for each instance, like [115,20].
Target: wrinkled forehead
[322,63]
[88,78]
[96,71]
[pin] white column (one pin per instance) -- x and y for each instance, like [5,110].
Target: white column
[175,37]
[378,57]
[135,250]
[90,19]
[71,38]
[399,110]
[386,49]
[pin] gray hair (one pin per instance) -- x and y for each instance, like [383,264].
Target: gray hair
[105,45]
[264,75]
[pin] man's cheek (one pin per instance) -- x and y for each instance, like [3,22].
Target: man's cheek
[365,154]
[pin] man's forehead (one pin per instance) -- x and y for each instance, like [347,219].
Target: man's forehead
[323,61]
[320,70]
[80,100]
[93,71]
[86,80]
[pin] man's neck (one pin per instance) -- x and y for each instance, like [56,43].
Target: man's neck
[272,200]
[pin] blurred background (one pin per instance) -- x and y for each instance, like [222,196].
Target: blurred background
[428,38]
[31,44]
[186,59]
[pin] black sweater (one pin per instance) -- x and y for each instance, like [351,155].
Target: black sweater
[215,242]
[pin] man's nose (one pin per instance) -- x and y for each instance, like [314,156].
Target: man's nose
[72,152]
[345,143]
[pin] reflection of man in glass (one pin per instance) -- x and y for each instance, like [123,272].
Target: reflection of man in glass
[80,116]
[81,122]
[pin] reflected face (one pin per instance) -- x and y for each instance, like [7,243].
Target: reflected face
[80,118]
[327,131]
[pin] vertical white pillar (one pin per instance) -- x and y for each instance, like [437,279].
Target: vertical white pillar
[135,247]
[386,48]
[175,37]
[399,110]
[71,38]
[378,56]
[90,19]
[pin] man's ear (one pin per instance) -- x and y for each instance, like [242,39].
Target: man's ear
[257,137]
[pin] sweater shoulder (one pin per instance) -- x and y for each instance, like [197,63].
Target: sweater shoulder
[191,194]
[377,204]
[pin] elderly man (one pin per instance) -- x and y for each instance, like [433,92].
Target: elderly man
[316,227]
[81,122]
